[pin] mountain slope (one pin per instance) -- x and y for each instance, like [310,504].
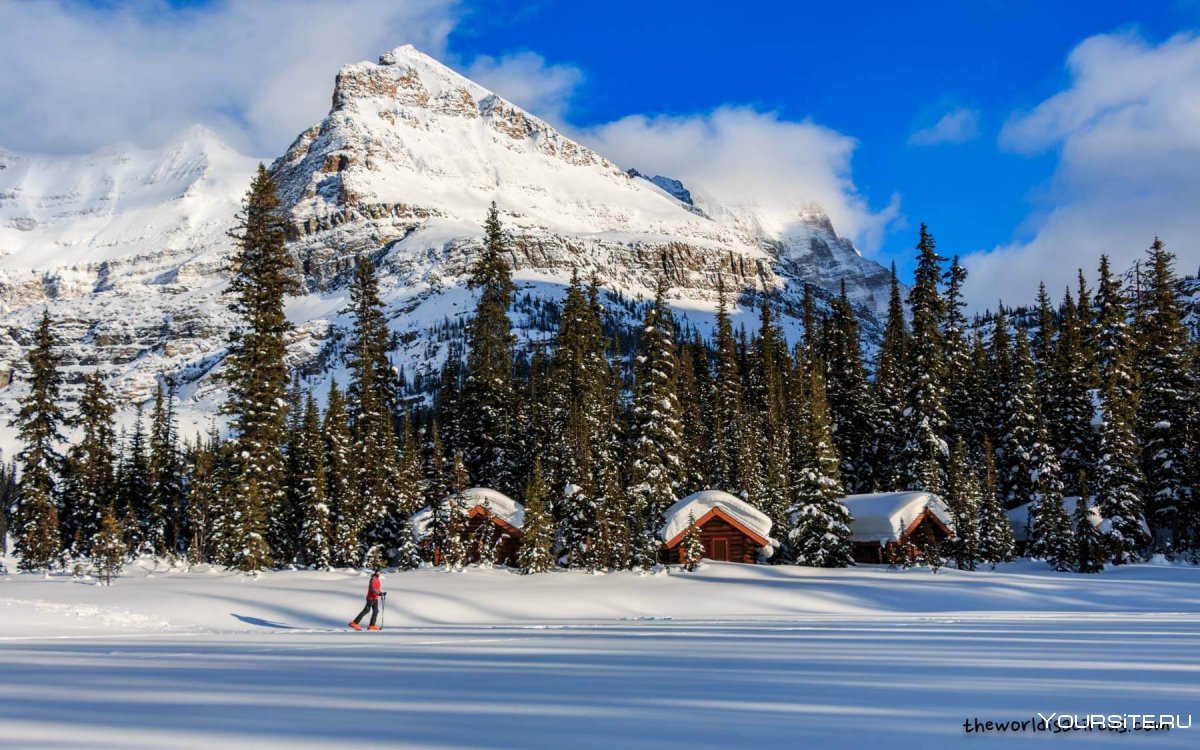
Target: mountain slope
[127,247]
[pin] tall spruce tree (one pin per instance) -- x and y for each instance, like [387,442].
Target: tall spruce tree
[727,401]
[850,398]
[889,392]
[924,420]
[655,467]
[38,422]
[166,517]
[1118,469]
[488,394]
[963,496]
[995,542]
[93,466]
[1163,410]
[342,490]
[766,419]
[579,409]
[1051,536]
[316,522]
[1090,544]
[820,522]
[372,400]
[1069,408]
[537,544]
[1022,419]
[256,371]
[960,395]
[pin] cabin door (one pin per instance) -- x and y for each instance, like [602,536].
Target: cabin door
[717,549]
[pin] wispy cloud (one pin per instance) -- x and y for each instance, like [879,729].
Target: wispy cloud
[740,156]
[526,79]
[78,75]
[959,126]
[1127,130]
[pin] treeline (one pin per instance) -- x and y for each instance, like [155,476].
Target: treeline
[1095,396]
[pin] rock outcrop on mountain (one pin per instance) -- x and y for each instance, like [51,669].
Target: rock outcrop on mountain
[128,248]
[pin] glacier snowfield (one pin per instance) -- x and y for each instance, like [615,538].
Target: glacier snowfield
[728,656]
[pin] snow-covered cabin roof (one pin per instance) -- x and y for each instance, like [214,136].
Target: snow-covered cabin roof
[701,503]
[1019,518]
[497,503]
[879,516]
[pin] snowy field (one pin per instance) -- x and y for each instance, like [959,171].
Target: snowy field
[729,656]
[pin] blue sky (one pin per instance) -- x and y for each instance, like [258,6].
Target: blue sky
[877,71]
[1023,175]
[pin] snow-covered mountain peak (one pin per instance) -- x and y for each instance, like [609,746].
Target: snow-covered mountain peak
[128,246]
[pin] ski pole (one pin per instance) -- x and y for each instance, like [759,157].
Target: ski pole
[383,613]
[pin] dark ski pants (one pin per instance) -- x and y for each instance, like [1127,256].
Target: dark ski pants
[372,607]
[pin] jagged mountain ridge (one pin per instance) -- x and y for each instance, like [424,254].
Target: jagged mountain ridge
[127,248]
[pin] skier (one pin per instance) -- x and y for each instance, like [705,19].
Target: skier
[373,596]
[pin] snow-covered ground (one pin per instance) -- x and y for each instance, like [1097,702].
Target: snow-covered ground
[728,656]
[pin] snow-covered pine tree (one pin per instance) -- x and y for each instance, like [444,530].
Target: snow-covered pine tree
[488,395]
[408,494]
[578,397]
[727,401]
[1021,423]
[455,550]
[616,550]
[692,545]
[1000,380]
[1164,408]
[93,467]
[256,372]
[1070,410]
[695,428]
[655,466]
[133,486]
[537,544]
[165,525]
[763,451]
[850,398]
[889,392]
[1118,470]
[819,531]
[38,421]
[924,420]
[316,523]
[963,498]
[349,520]
[449,400]
[1051,536]
[107,547]
[372,400]
[1090,545]
[995,532]
[203,493]
[960,401]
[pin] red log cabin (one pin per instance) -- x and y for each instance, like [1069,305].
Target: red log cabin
[731,529]
[491,517]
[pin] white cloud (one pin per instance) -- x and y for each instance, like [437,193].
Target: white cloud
[525,79]
[740,156]
[959,126]
[77,76]
[80,76]
[1127,130]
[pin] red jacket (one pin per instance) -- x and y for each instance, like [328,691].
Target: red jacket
[373,589]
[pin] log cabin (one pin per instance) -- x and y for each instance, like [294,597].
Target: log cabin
[731,529]
[490,514]
[884,519]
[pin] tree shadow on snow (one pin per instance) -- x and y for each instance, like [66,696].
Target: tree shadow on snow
[260,622]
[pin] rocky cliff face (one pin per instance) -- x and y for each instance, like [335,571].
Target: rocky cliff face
[127,248]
